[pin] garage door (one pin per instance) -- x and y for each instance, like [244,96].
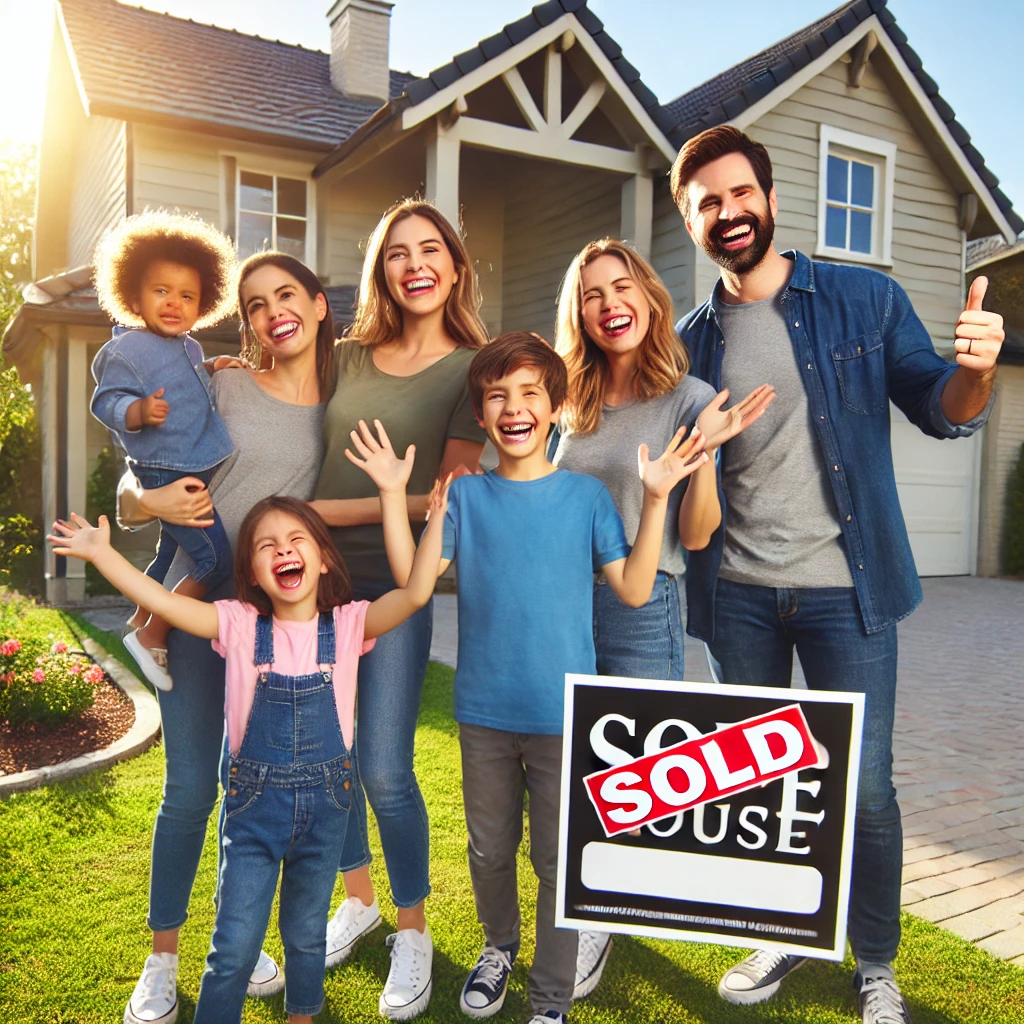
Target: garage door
[937,483]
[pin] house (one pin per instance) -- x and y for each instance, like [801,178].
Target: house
[1003,265]
[540,138]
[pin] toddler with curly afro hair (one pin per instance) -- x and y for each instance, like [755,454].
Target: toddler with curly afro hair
[160,275]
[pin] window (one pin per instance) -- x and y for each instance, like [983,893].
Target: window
[272,214]
[855,194]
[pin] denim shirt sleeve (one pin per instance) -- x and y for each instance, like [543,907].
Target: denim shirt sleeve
[118,386]
[917,373]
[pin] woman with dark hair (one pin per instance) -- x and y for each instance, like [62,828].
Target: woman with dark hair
[404,361]
[274,417]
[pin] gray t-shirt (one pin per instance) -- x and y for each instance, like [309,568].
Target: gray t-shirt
[278,450]
[610,455]
[781,525]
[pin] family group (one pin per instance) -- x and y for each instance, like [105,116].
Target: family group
[310,493]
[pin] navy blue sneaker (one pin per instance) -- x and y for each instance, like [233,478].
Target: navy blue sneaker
[484,991]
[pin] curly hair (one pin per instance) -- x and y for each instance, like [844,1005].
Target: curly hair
[124,253]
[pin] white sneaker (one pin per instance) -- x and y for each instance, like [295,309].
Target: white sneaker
[155,999]
[407,991]
[267,979]
[351,921]
[591,956]
[152,662]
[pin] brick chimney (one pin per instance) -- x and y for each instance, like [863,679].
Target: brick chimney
[359,48]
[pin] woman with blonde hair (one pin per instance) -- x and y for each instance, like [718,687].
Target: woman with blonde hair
[628,385]
[403,361]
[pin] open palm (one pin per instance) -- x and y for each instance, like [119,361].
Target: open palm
[679,460]
[720,425]
[385,468]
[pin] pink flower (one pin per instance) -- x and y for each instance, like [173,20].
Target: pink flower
[38,676]
[9,647]
[60,647]
[93,674]
[74,668]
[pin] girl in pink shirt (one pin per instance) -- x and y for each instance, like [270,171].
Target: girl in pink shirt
[292,644]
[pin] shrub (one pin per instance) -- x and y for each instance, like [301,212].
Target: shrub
[1013,528]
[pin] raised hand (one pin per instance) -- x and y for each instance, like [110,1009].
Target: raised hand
[979,335]
[437,503]
[154,409]
[379,461]
[679,460]
[719,425]
[80,539]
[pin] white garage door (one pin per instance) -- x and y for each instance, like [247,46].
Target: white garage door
[937,483]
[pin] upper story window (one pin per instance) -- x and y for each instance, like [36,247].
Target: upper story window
[272,214]
[855,196]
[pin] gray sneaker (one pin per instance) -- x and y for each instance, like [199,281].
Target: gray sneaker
[757,978]
[880,999]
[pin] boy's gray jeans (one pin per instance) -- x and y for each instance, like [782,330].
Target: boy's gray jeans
[497,769]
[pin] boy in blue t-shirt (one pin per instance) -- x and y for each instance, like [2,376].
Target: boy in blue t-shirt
[529,538]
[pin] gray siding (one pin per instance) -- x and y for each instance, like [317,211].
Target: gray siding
[98,190]
[672,252]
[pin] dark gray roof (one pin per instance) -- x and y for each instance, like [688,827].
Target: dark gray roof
[727,95]
[239,83]
[991,248]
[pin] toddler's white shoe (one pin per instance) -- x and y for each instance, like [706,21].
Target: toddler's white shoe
[267,979]
[351,921]
[152,662]
[155,999]
[407,991]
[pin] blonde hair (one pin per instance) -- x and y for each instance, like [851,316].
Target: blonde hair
[379,318]
[663,360]
[126,250]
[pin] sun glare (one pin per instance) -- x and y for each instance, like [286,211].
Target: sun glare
[25,27]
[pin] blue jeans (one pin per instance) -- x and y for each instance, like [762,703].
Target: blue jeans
[208,547]
[390,684]
[192,720]
[756,629]
[640,643]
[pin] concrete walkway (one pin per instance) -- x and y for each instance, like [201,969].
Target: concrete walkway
[958,752]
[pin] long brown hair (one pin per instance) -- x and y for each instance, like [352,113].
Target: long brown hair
[251,348]
[379,318]
[333,588]
[663,360]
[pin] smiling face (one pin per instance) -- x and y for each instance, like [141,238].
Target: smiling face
[280,311]
[418,267]
[731,219]
[517,415]
[169,298]
[286,562]
[616,312]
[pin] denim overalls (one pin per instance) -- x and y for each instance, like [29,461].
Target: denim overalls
[287,796]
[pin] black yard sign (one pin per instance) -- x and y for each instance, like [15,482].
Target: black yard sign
[744,798]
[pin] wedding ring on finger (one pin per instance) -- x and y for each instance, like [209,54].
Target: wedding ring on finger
[969,344]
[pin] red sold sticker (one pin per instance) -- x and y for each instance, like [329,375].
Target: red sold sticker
[732,759]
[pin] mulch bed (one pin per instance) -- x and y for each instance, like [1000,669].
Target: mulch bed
[33,746]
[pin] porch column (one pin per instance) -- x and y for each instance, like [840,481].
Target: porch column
[638,212]
[75,454]
[442,182]
[49,432]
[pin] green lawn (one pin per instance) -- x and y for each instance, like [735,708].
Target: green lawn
[74,865]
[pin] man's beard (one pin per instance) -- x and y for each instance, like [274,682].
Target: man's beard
[742,260]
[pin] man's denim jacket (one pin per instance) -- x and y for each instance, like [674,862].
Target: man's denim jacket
[134,364]
[858,344]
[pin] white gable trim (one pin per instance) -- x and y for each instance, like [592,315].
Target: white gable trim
[73,61]
[516,54]
[830,56]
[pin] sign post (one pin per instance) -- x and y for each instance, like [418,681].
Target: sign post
[709,813]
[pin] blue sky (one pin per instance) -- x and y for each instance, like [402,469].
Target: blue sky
[973,50]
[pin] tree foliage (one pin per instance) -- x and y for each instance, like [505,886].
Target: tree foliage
[1013,528]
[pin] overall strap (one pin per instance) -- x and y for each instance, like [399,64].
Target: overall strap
[325,646]
[263,654]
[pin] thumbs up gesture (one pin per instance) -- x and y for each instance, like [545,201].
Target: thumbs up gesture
[979,335]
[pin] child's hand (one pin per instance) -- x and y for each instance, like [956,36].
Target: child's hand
[719,425]
[437,503]
[679,460]
[385,468]
[154,409]
[79,539]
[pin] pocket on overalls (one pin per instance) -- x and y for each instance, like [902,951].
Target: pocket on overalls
[240,794]
[860,369]
[338,780]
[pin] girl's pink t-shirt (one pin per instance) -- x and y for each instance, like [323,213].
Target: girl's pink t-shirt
[295,650]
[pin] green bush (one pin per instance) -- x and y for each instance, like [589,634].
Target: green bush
[1013,528]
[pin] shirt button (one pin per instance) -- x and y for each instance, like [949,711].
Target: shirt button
[234,771]
[860,566]
[232,792]
[848,518]
[836,468]
[796,323]
[348,784]
[808,366]
[348,764]
[822,418]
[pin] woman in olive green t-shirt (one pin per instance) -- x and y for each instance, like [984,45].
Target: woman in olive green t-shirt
[404,361]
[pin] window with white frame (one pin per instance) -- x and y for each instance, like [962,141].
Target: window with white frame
[856,175]
[272,214]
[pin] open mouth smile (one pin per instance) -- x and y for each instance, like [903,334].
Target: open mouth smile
[516,433]
[289,575]
[284,330]
[615,326]
[736,238]
[419,285]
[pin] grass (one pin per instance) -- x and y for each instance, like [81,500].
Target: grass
[74,866]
